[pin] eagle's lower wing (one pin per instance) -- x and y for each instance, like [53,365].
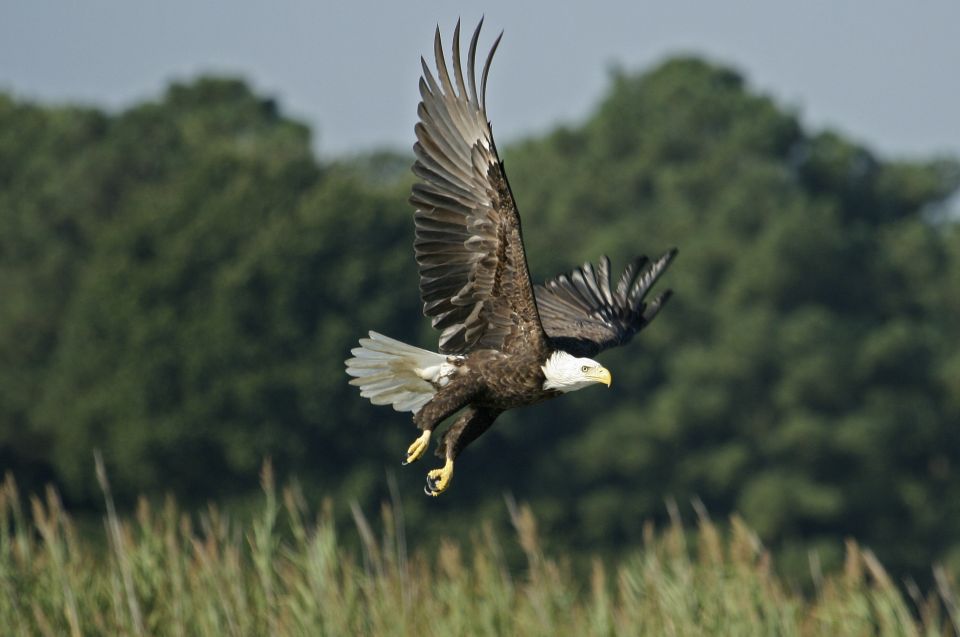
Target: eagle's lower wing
[583,316]
[474,280]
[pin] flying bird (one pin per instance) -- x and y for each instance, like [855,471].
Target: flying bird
[504,342]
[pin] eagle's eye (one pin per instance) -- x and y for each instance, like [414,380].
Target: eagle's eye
[584,368]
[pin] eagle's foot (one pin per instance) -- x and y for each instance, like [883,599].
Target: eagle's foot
[439,479]
[418,447]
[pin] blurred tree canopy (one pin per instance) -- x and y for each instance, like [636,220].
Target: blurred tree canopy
[181,282]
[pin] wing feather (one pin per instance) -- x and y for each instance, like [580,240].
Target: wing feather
[582,316]
[474,281]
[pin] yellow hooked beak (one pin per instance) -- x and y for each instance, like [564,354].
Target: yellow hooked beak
[601,375]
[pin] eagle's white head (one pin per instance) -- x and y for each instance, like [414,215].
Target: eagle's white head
[569,373]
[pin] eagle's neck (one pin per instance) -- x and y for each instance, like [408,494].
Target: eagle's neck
[561,371]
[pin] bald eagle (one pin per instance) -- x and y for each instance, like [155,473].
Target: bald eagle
[503,342]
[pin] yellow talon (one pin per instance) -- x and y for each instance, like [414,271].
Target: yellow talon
[417,447]
[439,479]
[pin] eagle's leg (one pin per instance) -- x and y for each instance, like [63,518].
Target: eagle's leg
[444,404]
[418,447]
[468,427]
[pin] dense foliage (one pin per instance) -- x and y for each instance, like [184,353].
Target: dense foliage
[180,283]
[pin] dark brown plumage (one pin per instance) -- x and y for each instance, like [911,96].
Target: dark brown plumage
[583,316]
[503,343]
[473,271]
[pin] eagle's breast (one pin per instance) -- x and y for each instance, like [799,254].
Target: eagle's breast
[509,380]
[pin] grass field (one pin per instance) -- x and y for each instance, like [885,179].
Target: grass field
[165,573]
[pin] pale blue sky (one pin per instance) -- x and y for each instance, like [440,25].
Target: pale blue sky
[881,71]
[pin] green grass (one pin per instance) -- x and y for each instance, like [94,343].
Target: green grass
[166,573]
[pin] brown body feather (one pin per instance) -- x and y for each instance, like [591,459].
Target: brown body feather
[490,381]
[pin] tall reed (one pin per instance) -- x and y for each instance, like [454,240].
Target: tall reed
[286,572]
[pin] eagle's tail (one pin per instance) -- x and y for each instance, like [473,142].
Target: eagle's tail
[390,372]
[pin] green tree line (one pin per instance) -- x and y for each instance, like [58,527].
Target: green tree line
[181,282]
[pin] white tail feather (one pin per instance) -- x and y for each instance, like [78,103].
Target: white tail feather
[389,372]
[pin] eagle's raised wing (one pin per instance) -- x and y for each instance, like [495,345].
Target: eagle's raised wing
[474,280]
[581,314]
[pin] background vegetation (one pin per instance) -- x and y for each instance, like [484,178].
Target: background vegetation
[180,283]
[288,573]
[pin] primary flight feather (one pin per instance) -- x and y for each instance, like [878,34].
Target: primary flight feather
[504,343]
